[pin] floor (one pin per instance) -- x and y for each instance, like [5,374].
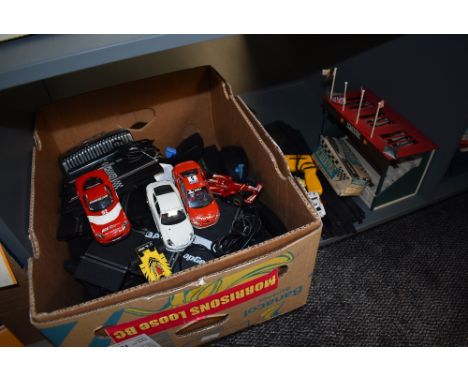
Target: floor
[404,283]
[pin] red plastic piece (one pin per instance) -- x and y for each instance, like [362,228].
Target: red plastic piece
[224,186]
[387,136]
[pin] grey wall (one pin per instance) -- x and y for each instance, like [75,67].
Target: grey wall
[248,62]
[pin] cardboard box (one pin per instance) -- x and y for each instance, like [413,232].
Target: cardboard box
[202,303]
[7,338]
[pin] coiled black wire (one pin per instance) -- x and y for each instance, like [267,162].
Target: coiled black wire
[243,229]
[134,151]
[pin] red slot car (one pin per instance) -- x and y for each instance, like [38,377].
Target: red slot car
[102,207]
[199,202]
[224,186]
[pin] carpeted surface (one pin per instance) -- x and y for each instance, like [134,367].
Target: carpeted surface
[404,283]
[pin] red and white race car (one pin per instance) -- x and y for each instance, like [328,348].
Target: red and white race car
[102,207]
[199,202]
[224,186]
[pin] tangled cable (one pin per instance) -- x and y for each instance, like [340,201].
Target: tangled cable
[134,151]
[243,229]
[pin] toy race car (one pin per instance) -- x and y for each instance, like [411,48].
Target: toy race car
[198,200]
[304,167]
[169,215]
[317,203]
[102,207]
[224,186]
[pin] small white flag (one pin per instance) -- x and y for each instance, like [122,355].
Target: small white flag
[360,104]
[380,105]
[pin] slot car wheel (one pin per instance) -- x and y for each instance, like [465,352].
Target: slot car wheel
[237,200]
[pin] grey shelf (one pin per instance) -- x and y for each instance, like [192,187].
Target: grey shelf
[16,154]
[451,186]
[385,69]
[388,69]
[37,57]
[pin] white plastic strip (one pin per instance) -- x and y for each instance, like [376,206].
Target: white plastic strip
[107,218]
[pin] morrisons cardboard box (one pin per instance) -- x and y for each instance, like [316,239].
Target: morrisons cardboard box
[200,304]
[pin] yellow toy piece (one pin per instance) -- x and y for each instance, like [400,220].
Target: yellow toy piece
[304,164]
[154,265]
